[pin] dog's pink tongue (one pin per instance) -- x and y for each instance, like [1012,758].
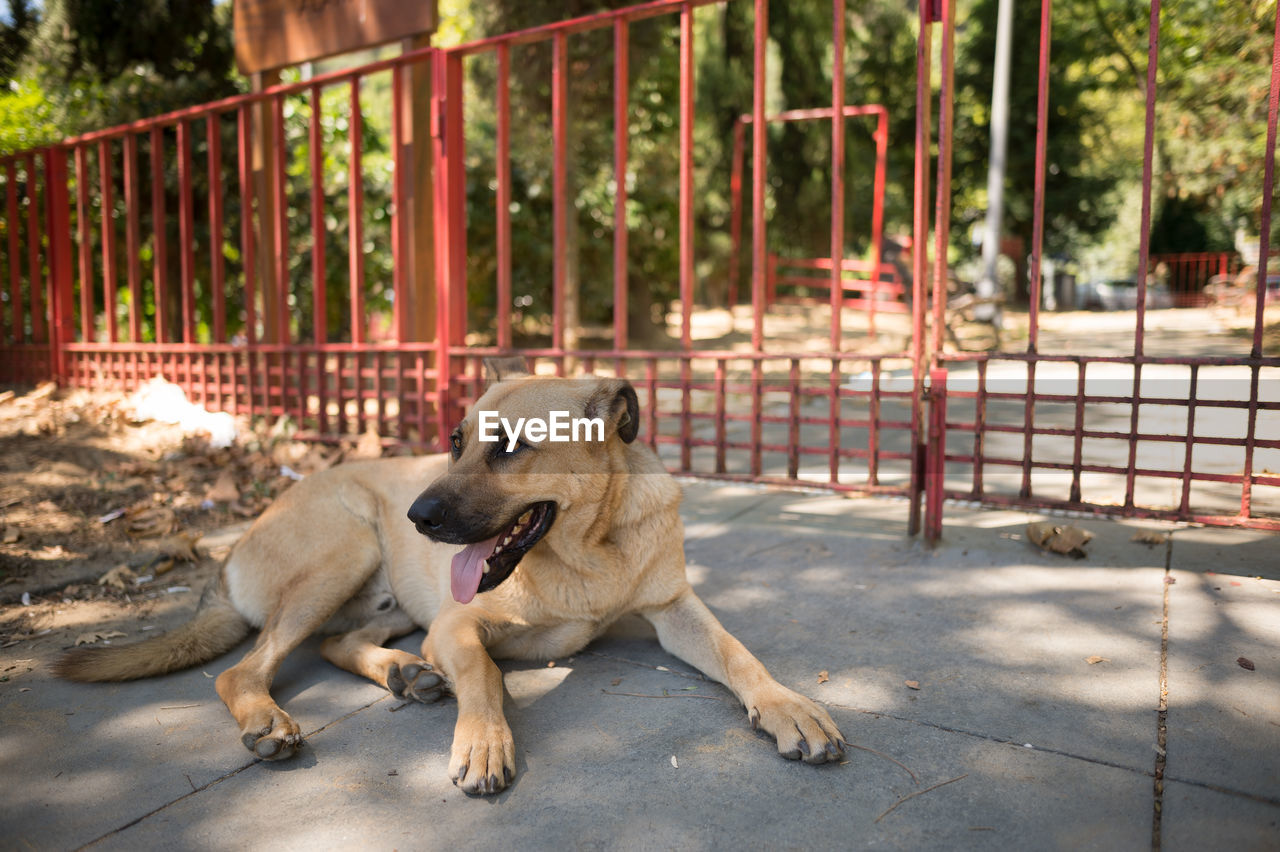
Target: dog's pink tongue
[468,568]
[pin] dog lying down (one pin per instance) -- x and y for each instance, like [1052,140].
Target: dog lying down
[515,550]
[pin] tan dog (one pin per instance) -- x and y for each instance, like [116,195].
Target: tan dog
[560,539]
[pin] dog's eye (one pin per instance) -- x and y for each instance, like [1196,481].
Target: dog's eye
[504,453]
[455,443]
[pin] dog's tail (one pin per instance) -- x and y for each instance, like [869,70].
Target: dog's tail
[216,628]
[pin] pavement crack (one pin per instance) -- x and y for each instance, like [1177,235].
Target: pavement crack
[1162,707]
[992,738]
[231,774]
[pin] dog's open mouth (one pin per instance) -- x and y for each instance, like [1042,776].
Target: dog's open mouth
[482,565]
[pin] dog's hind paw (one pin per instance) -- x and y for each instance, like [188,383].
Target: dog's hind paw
[415,681]
[276,741]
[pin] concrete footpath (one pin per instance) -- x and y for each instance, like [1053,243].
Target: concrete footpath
[998,696]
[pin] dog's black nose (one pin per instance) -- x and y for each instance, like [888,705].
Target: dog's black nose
[428,514]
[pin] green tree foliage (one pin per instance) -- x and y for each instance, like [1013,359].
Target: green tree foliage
[103,62]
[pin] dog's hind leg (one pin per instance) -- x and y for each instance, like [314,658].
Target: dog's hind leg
[361,652]
[322,576]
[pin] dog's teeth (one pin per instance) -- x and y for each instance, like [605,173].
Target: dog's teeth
[486,568]
[526,517]
[506,541]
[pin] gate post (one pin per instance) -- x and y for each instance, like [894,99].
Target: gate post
[935,455]
[58,212]
[450,225]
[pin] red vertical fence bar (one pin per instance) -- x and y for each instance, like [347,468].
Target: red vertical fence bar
[58,206]
[942,212]
[217,263]
[503,212]
[248,253]
[86,247]
[735,212]
[936,474]
[35,290]
[1144,244]
[399,219]
[186,234]
[106,183]
[281,185]
[560,185]
[837,237]
[160,251]
[315,142]
[686,174]
[1144,240]
[877,208]
[319,301]
[457,184]
[1264,260]
[759,251]
[920,254]
[1042,136]
[686,229]
[621,131]
[448,169]
[355,212]
[837,177]
[132,236]
[16,318]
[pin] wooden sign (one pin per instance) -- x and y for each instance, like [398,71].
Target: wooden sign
[279,33]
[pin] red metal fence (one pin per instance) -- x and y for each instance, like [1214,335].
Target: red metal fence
[252,328]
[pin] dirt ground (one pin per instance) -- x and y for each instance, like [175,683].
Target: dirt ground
[105,520]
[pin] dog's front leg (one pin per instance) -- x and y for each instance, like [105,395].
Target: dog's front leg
[803,730]
[483,757]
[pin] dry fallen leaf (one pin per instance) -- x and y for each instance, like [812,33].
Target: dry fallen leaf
[615,681]
[120,576]
[148,521]
[180,546]
[1149,537]
[912,684]
[46,389]
[1245,663]
[368,447]
[823,677]
[92,637]
[224,490]
[1095,659]
[1067,540]
[316,460]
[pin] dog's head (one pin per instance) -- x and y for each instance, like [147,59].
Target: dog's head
[532,451]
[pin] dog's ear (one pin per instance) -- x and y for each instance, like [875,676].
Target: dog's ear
[615,402]
[500,369]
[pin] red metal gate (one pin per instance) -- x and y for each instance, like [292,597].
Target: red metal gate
[1100,451]
[91,312]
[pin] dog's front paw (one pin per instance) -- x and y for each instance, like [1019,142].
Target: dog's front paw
[483,761]
[804,730]
[415,681]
